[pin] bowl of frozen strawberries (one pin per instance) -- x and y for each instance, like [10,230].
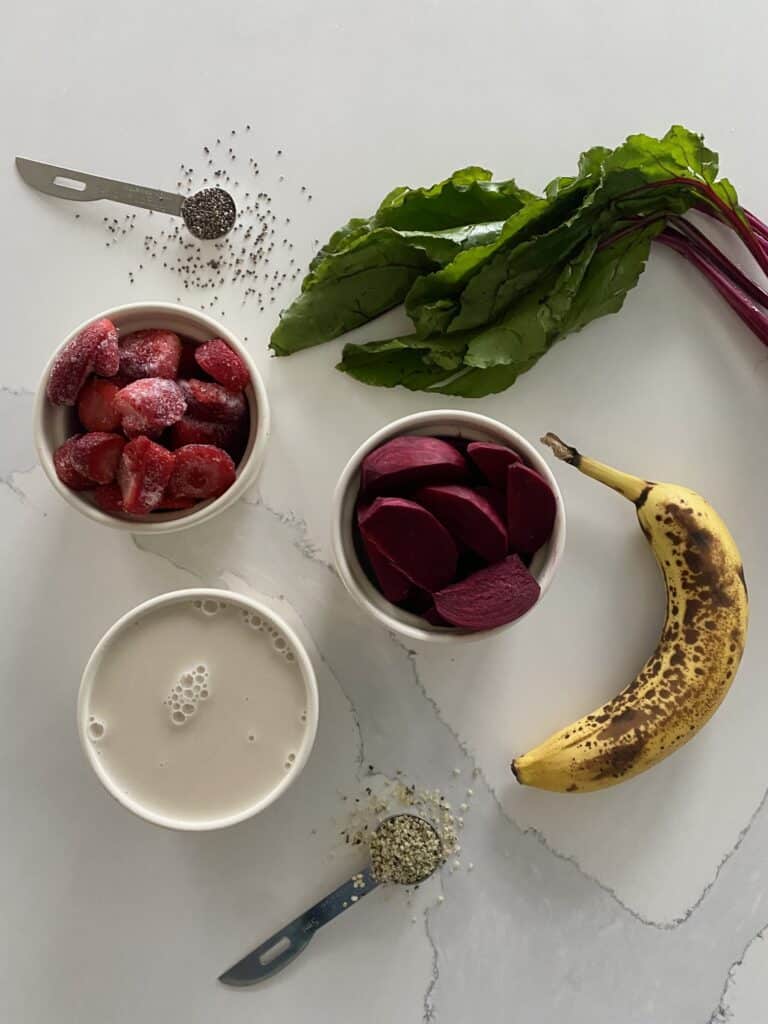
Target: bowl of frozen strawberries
[151,417]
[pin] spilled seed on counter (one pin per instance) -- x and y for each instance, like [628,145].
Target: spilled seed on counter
[386,798]
[257,258]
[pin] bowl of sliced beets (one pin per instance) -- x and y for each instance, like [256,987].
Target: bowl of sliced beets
[151,417]
[448,526]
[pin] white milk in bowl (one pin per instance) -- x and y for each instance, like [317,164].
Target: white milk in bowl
[198,709]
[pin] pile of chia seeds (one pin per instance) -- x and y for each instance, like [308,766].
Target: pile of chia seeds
[256,260]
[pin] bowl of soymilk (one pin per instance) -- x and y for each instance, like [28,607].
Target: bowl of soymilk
[198,709]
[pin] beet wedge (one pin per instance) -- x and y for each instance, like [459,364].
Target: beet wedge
[412,539]
[470,518]
[531,509]
[493,460]
[409,462]
[392,583]
[497,499]
[490,597]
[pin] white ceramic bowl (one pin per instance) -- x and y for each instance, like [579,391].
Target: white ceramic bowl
[53,424]
[441,422]
[102,651]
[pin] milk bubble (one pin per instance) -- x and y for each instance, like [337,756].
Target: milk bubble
[96,729]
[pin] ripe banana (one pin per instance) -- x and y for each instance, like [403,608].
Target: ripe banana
[683,682]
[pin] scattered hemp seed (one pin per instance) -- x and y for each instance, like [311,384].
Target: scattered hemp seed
[405,849]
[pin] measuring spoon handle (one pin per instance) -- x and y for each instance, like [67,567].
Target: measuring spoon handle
[286,944]
[80,187]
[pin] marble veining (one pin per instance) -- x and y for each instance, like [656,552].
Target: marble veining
[646,904]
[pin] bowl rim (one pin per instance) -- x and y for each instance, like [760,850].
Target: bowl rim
[247,470]
[153,604]
[412,626]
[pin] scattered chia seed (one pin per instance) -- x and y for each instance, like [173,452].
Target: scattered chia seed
[405,849]
[246,258]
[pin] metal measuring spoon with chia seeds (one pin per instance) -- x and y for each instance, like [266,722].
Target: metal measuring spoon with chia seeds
[209,213]
[404,849]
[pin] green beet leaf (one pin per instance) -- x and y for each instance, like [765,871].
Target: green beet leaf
[368,266]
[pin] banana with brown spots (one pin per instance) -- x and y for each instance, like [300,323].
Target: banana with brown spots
[685,679]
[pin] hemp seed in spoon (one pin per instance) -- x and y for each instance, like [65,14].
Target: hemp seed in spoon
[405,849]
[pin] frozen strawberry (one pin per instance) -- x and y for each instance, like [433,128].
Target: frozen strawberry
[143,475]
[209,401]
[188,366]
[109,498]
[77,360]
[96,455]
[66,472]
[149,405]
[107,359]
[96,405]
[175,504]
[223,364]
[150,353]
[201,471]
[229,436]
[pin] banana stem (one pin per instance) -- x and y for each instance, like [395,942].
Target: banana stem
[631,487]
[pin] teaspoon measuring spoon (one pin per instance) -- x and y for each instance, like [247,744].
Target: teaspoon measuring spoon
[210,213]
[286,944]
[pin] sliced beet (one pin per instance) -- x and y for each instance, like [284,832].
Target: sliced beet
[498,499]
[412,539]
[470,518]
[490,597]
[455,441]
[493,461]
[433,617]
[417,601]
[531,509]
[468,563]
[392,583]
[411,461]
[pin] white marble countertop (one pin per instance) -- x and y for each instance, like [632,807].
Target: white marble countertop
[645,904]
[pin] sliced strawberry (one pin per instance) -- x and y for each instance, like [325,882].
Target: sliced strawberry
[223,364]
[143,474]
[229,436]
[212,402]
[96,455]
[66,472]
[201,471]
[78,359]
[150,353]
[109,498]
[96,405]
[149,405]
